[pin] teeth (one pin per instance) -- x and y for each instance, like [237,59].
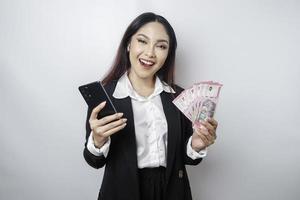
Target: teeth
[146,62]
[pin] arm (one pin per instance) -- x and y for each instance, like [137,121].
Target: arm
[93,160]
[101,130]
[187,133]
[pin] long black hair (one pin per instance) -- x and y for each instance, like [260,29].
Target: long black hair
[122,63]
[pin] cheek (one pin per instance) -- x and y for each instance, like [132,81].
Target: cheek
[163,56]
[134,53]
[136,49]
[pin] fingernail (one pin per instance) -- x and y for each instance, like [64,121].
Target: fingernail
[103,103]
[120,114]
[124,120]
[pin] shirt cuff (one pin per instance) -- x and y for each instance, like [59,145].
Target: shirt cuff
[98,151]
[194,154]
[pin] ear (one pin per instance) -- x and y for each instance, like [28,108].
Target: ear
[128,48]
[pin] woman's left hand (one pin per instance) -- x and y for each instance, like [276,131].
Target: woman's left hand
[205,135]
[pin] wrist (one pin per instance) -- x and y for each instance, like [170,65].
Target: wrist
[99,141]
[198,147]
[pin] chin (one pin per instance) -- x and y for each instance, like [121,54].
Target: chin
[145,75]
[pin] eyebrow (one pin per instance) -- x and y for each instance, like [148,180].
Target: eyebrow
[160,40]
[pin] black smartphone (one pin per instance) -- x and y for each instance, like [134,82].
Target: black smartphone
[94,93]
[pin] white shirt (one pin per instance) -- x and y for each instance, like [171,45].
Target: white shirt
[150,125]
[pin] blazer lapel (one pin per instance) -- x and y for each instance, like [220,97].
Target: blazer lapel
[124,105]
[173,119]
[129,140]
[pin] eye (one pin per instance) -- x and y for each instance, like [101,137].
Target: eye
[163,47]
[142,41]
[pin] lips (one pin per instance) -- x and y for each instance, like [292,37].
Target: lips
[146,63]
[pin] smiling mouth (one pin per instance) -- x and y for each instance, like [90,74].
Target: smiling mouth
[146,63]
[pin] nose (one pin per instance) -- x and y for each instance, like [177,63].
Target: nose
[150,52]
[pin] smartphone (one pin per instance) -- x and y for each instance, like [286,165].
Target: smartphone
[94,93]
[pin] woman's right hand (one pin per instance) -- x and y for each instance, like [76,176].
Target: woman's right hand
[106,126]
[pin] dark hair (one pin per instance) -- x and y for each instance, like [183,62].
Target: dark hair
[122,63]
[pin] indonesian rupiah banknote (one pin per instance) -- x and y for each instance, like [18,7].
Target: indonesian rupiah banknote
[198,103]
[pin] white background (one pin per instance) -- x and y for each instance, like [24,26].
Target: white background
[49,48]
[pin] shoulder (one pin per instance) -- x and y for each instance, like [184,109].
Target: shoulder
[110,86]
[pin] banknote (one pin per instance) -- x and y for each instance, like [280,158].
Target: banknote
[198,102]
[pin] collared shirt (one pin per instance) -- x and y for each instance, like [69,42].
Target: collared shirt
[150,125]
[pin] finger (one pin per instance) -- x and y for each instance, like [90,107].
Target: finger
[213,122]
[109,118]
[210,138]
[207,138]
[213,136]
[208,126]
[96,110]
[212,132]
[112,125]
[105,120]
[114,130]
[202,128]
[202,136]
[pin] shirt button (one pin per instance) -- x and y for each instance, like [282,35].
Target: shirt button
[180,173]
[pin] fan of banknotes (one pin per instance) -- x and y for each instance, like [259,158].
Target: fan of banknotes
[199,102]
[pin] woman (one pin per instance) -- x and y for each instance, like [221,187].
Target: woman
[145,146]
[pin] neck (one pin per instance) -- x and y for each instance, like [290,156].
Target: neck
[143,87]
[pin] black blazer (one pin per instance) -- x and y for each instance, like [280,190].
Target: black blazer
[120,179]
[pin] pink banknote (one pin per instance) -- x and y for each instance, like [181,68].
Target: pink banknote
[199,102]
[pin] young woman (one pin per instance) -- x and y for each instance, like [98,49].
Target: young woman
[145,146]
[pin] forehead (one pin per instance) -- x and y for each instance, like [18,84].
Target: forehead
[154,31]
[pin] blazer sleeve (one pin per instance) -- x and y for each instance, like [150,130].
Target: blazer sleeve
[94,161]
